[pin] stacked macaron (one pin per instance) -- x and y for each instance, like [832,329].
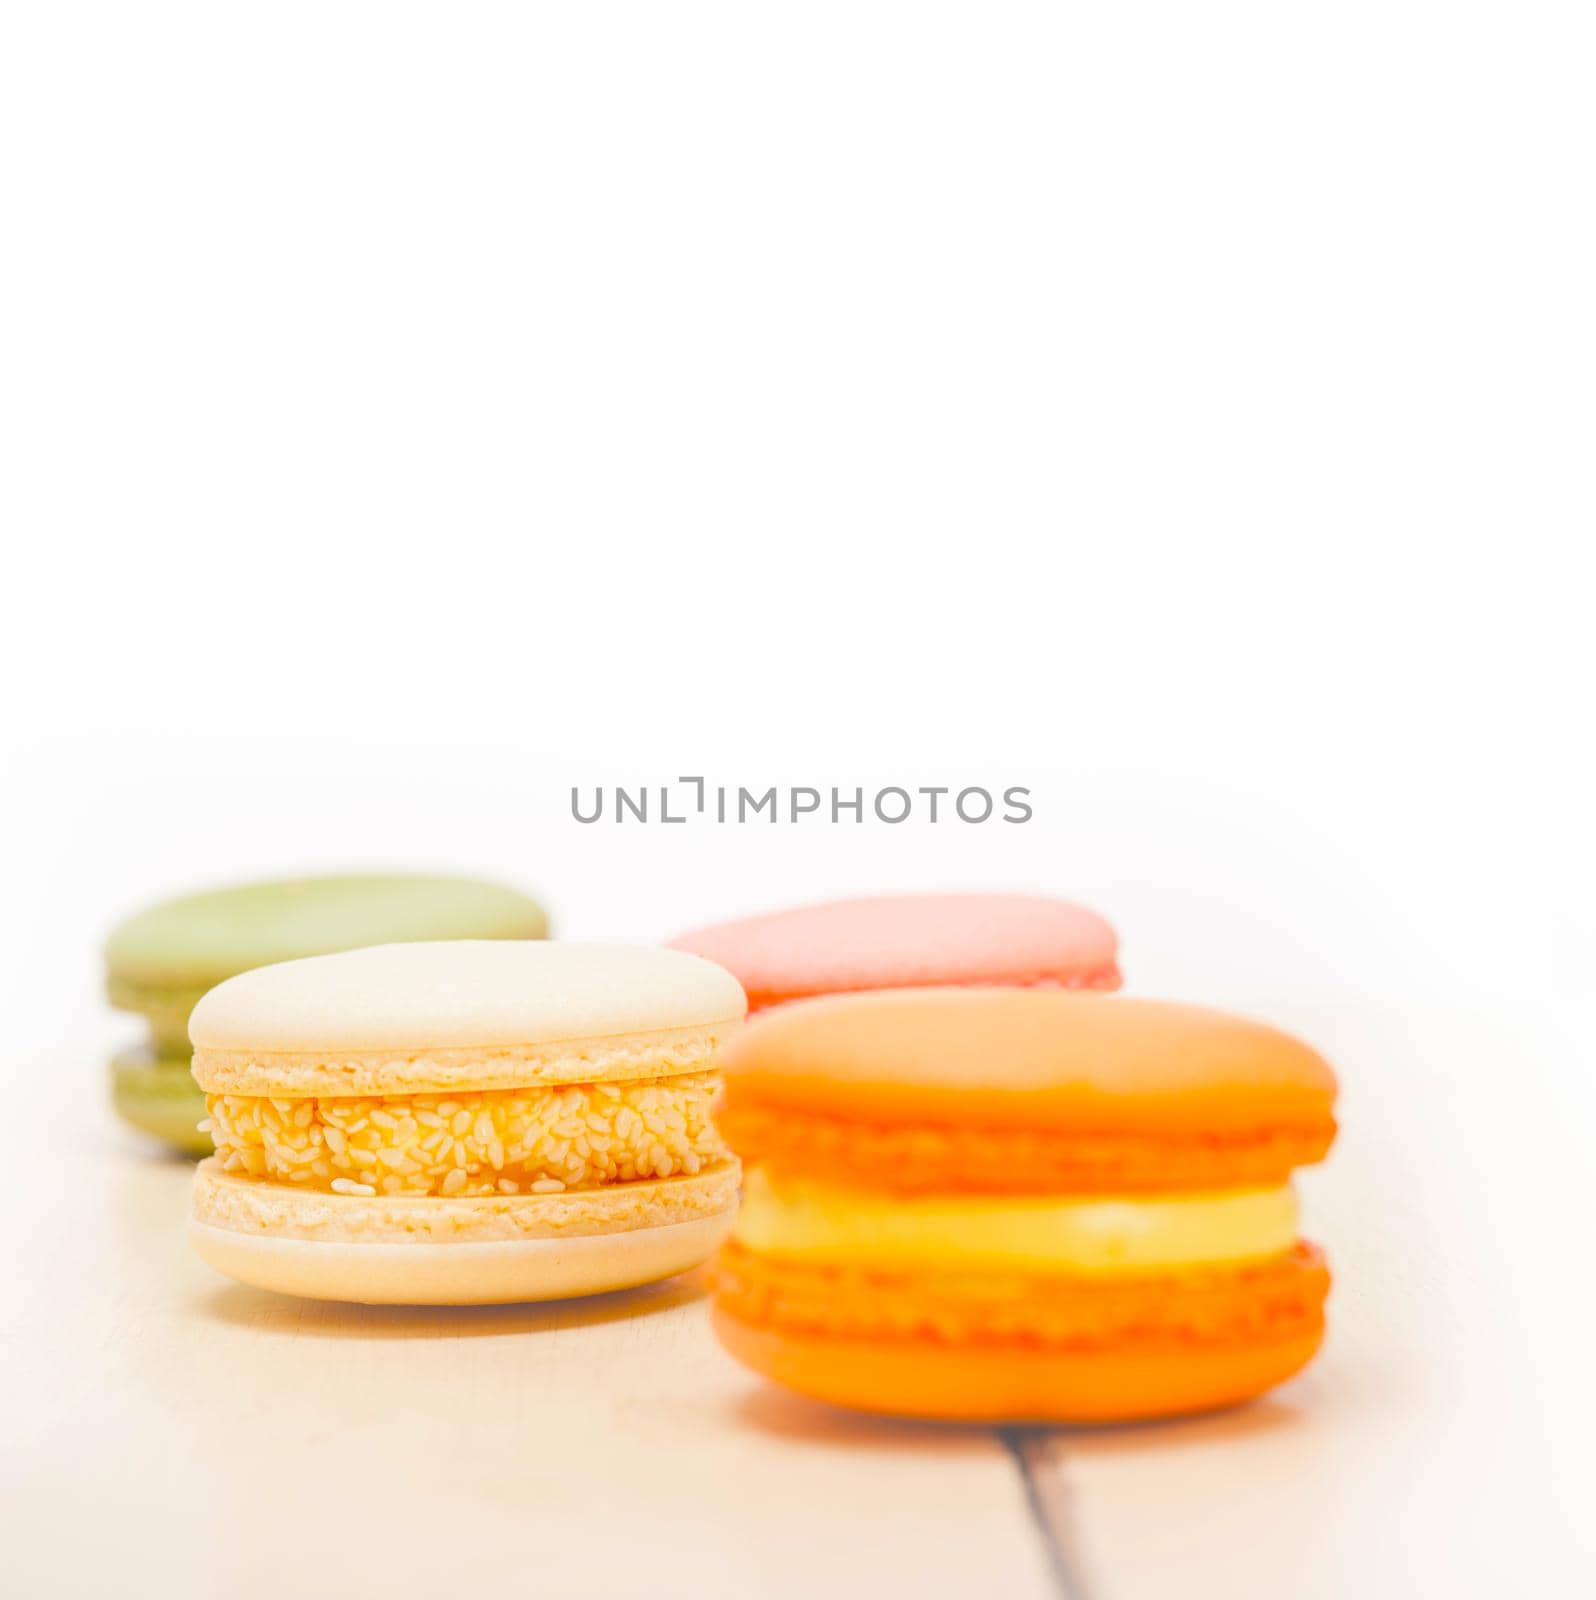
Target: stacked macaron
[1009,1205]
[464,1123]
[162,960]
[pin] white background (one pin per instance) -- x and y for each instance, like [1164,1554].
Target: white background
[412,411]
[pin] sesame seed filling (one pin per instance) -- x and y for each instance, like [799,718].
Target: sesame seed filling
[497,1141]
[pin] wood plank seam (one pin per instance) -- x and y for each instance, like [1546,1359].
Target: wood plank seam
[1039,1461]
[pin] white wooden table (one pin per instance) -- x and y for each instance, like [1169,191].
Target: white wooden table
[172,1433]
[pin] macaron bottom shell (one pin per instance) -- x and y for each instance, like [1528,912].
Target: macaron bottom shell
[488,1272]
[1004,1347]
[157,1095]
[1013,1384]
[409,1250]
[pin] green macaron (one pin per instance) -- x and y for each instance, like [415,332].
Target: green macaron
[160,961]
[158,1095]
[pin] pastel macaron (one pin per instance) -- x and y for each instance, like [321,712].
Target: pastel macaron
[464,1123]
[1021,1206]
[912,941]
[159,962]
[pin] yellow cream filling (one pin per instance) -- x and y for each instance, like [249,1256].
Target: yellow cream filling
[1095,1236]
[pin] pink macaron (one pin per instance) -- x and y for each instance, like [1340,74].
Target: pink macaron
[912,941]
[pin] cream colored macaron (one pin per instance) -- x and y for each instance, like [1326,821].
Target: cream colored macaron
[464,1123]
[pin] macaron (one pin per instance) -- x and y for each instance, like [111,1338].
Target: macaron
[1021,1206]
[464,1123]
[160,961]
[912,941]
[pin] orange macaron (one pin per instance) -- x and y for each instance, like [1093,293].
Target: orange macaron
[1010,1205]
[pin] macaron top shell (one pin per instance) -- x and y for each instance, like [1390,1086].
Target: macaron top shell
[463,994]
[1028,1060]
[199,939]
[903,941]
